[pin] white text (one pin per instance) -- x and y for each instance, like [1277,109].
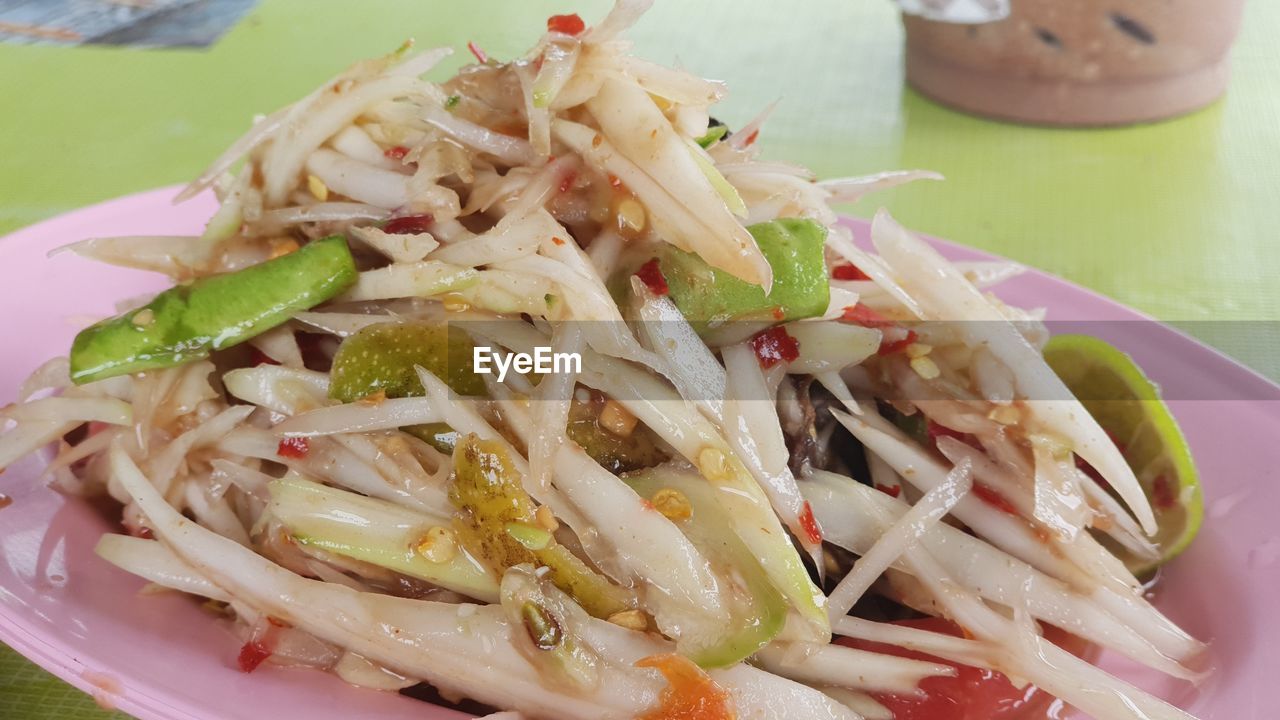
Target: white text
[542,360]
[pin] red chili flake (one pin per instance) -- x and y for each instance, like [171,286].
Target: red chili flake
[293,447]
[994,499]
[408,224]
[647,505]
[889,347]
[257,357]
[866,317]
[810,524]
[778,314]
[775,345]
[614,181]
[890,490]
[566,182]
[252,654]
[848,271]
[567,24]
[751,139]
[395,153]
[651,275]
[1162,493]
[935,431]
[558,240]
[475,50]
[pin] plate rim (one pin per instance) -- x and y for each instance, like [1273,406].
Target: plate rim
[158,703]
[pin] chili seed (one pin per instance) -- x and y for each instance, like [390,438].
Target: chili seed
[317,188]
[713,464]
[438,545]
[672,504]
[925,368]
[631,620]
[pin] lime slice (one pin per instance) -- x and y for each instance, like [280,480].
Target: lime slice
[1128,406]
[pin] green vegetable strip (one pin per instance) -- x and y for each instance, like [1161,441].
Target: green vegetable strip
[794,249]
[382,357]
[377,532]
[713,134]
[657,405]
[491,499]
[188,322]
[758,617]
[617,454]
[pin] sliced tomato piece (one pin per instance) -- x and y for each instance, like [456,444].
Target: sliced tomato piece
[691,694]
[974,694]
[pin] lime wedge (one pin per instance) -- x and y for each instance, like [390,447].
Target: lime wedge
[1128,406]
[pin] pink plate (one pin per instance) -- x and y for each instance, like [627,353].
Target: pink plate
[162,658]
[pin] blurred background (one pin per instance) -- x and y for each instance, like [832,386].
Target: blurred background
[1178,219]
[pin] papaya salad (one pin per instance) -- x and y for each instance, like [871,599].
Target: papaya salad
[791,477]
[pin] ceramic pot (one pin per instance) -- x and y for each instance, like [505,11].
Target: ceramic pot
[1079,62]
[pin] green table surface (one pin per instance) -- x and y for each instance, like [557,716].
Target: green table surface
[1177,219]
